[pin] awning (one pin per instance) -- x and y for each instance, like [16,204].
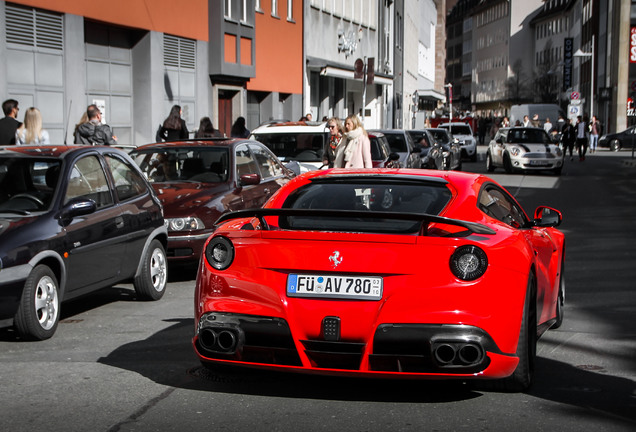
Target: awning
[431,94]
[348,74]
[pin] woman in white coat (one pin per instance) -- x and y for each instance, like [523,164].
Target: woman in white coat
[354,151]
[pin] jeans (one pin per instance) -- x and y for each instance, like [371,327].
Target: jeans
[593,142]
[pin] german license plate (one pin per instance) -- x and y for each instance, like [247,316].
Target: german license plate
[539,163]
[331,286]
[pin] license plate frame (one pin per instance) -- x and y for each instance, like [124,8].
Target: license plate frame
[343,287]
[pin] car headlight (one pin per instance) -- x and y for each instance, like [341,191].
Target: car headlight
[184,224]
[219,253]
[558,151]
[515,151]
[468,262]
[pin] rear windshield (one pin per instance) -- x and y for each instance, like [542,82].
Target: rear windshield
[205,165]
[397,142]
[302,147]
[399,197]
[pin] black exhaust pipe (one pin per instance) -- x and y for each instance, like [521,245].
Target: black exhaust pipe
[220,340]
[444,353]
[470,354]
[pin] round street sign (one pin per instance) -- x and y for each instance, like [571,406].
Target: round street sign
[575,96]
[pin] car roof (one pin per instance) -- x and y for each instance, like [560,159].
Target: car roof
[201,142]
[292,127]
[56,151]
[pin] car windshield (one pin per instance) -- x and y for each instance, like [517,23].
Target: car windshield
[397,142]
[365,195]
[27,184]
[440,135]
[196,164]
[298,146]
[460,130]
[528,136]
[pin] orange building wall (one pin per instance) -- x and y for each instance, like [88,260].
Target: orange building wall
[279,50]
[179,18]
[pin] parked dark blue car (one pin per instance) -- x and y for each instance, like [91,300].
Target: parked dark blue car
[73,219]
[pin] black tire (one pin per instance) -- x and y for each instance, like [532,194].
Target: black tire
[151,282]
[39,310]
[561,297]
[507,163]
[473,158]
[522,377]
[489,166]
[459,166]
[615,145]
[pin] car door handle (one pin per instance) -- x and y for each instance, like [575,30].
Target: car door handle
[119,222]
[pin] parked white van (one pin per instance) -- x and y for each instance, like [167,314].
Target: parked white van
[544,111]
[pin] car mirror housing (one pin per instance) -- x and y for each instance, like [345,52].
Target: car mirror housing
[77,207]
[250,179]
[547,217]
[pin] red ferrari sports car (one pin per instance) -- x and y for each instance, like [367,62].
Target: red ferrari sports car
[392,273]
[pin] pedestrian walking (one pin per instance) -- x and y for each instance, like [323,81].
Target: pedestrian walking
[31,132]
[94,131]
[581,137]
[239,130]
[568,137]
[354,150]
[547,126]
[595,130]
[9,124]
[174,127]
[336,133]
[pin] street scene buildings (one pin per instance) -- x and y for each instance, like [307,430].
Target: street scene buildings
[396,63]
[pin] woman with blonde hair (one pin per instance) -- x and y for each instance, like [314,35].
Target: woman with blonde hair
[31,131]
[336,133]
[354,150]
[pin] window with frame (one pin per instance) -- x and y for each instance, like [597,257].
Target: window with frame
[495,203]
[88,181]
[128,183]
[245,163]
[268,165]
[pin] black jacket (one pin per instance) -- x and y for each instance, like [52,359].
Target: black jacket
[91,133]
[8,126]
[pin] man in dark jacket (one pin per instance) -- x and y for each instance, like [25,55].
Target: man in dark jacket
[93,131]
[9,124]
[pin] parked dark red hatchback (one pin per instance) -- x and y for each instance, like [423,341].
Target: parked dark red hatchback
[199,180]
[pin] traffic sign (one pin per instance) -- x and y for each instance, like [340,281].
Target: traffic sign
[575,96]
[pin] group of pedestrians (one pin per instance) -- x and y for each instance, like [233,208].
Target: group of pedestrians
[349,145]
[30,131]
[583,134]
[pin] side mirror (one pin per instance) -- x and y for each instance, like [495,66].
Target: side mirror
[77,207]
[500,140]
[547,217]
[250,179]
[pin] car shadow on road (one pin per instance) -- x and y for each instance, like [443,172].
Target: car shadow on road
[167,358]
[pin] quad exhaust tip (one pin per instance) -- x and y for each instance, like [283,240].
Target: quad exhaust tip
[221,340]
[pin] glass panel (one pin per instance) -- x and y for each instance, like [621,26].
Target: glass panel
[128,183]
[88,181]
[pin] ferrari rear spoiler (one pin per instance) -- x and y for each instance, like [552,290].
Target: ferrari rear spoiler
[261,213]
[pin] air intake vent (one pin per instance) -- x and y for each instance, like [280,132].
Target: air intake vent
[179,52]
[34,27]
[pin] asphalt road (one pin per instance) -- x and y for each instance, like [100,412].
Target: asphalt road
[116,364]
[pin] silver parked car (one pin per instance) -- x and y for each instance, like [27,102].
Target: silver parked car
[524,149]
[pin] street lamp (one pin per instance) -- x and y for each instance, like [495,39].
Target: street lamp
[580,53]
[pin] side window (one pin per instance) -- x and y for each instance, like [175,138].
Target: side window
[88,180]
[269,166]
[245,163]
[496,204]
[128,183]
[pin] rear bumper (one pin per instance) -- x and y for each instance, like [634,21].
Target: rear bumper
[396,350]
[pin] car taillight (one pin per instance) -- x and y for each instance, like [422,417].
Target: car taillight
[468,262]
[219,253]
